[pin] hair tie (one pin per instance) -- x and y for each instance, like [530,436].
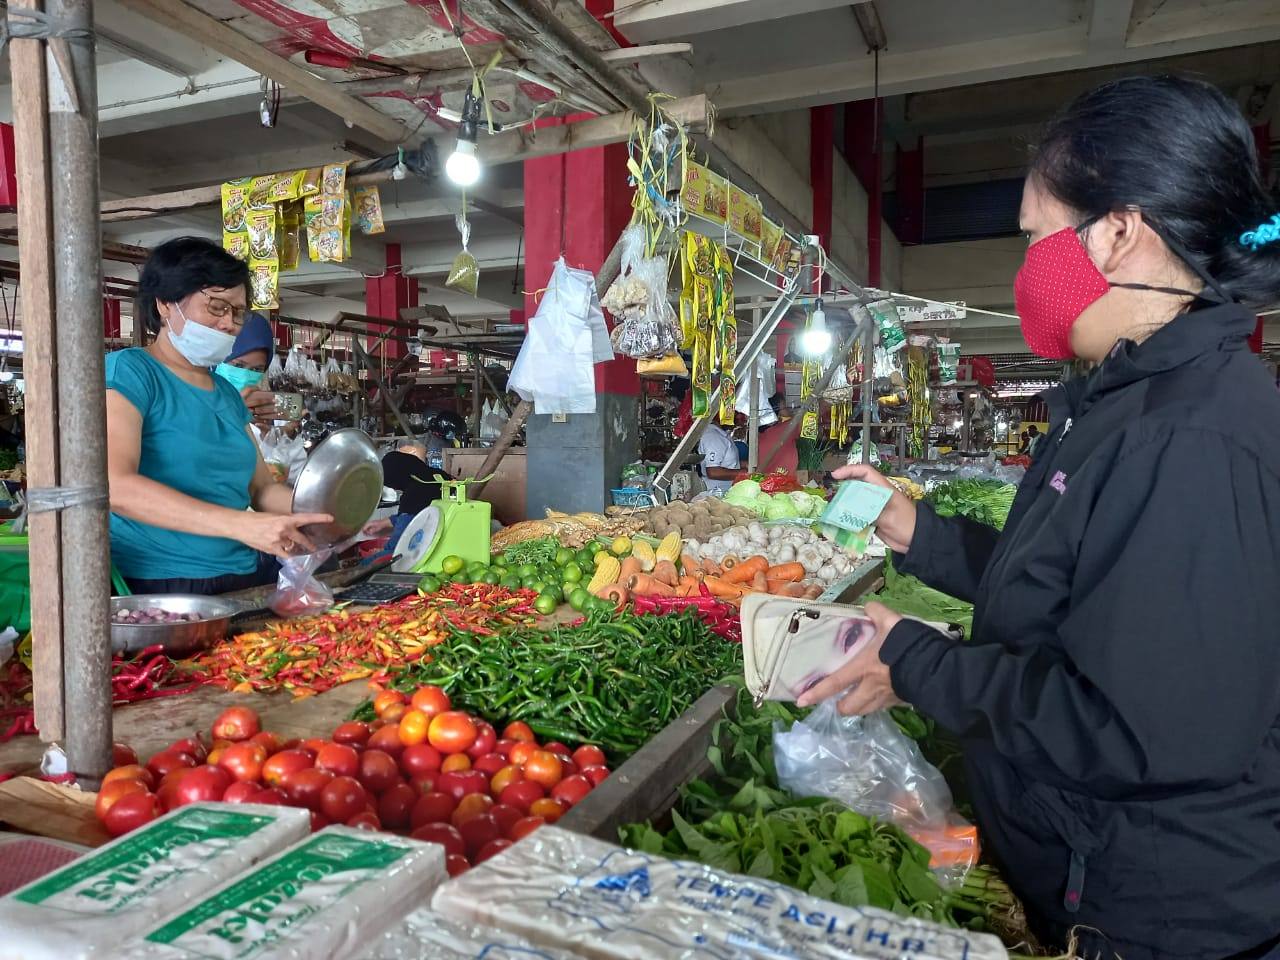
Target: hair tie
[1264,233]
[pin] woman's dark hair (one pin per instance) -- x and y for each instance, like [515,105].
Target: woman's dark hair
[180,267]
[1181,151]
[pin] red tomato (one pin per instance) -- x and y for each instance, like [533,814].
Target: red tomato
[548,809]
[424,783]
[588,755]
[478,831]
[201,785]
[543,768]
[518,731]
[272,797]
[167,791]
[304,787]
[486,738]
[365,820]
[503,747]
[596,775]
[504,778]
[282,764]
[472,805]
[490,763]
[122,755]
[236,723]
[354,733]
[456,865]
[339,759]
[521,795]
[319,821]
[444,834]
[567,767]
[460,784]
[268,741]
[522,751]
[434,807]
[523,827]
[419,759]
[452,731]
[165,762]
[413,727]
[314,745]
[342,798]
[240,792]
[395,805]
[130,812]
[431,700]
[455,763]
[386,739]
[378,771]
[506,816]
[558,748]
[394,713]
[492,849]
[571,789]
[131,771]
[243,761]
[111,792]
[387,698]
[192,745]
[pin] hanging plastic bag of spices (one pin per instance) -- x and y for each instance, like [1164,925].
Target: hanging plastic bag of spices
[464,275]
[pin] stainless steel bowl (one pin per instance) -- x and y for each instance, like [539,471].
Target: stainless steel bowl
[343,478]
[178,639]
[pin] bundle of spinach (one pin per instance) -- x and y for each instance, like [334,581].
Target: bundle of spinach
[910,597]
[742,821]
[987,501]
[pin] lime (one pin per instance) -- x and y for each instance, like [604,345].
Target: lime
[563,556]
[545,605]
[526,570]
[529,581]
[511,581]
[585,557]
[579,599]
[536,585]
[572,573]
[491,577]
[428,584]
[451,565]
[476,570]
[551,590]
[458,577]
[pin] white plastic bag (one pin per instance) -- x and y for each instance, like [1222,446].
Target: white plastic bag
[768,387]
[492,419]
[275,372]
[566,337]
[871,766]
[298,592]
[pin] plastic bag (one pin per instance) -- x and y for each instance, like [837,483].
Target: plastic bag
[768,387]
[275,372]
[566,337]
[464,275]
[871,766]
[298,592]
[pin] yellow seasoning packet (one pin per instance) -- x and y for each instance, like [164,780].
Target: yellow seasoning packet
[745,214]
[366,205]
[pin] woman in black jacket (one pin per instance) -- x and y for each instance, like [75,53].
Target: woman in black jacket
[1119,699]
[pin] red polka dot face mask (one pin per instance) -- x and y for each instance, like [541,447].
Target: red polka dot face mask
[1058,282]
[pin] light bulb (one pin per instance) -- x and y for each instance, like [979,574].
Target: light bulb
[463,166]
[817,339]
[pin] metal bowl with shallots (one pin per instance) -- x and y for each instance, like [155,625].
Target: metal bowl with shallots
[181,623]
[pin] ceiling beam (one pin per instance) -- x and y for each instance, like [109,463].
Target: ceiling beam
[664,19]
[1109,24]
[213,33]
[1243,19]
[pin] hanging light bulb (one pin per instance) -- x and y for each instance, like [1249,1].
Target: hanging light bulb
[463,166]
[817,339]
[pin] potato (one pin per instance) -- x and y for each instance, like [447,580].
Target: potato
[702,528]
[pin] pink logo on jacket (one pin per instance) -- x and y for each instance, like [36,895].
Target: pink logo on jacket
[1059,482]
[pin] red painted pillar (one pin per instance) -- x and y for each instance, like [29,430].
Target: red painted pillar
[862,149]
[283,334]
[910,180]
[822,133]
[386,296]
[576,204]
[110,318]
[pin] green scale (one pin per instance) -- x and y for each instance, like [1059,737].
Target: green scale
[452,526]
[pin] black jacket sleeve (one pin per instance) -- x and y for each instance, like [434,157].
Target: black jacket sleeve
[948,553]
[1166,671]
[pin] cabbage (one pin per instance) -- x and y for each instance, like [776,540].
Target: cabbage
[743,493]
[781,507]
[807,505]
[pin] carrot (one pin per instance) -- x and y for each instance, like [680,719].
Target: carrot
[628,568]
[690,564]
[723,589]
[647,585]
[779,588]
[665,571]
[729,562]
[745,570]
[711,568]
[786,571]
[616,594]
[813,592]
[759,583]
[688,588]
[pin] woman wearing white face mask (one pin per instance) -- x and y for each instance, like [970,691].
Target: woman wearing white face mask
[182,465]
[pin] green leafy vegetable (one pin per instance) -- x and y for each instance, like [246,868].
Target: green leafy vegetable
[987,501]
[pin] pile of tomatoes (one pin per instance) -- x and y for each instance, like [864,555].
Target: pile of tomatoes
[421,768]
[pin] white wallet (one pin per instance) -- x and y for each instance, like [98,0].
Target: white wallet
[789,645]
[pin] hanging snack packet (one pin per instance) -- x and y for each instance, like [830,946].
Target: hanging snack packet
[262,233]
[310,184]
[235,204]
[892,337]
[464,275]
[324,228]
[770,236]
[745,214]
[236,244]
[366,208]
[290,220]
[264,283]
[948,361]
[333,179]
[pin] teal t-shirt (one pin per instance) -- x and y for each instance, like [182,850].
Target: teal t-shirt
[194,441]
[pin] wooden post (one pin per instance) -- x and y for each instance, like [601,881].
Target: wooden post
[35,232]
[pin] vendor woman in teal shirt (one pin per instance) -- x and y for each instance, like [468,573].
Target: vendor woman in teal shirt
[184,469]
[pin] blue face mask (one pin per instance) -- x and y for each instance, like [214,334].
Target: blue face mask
[238,377]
